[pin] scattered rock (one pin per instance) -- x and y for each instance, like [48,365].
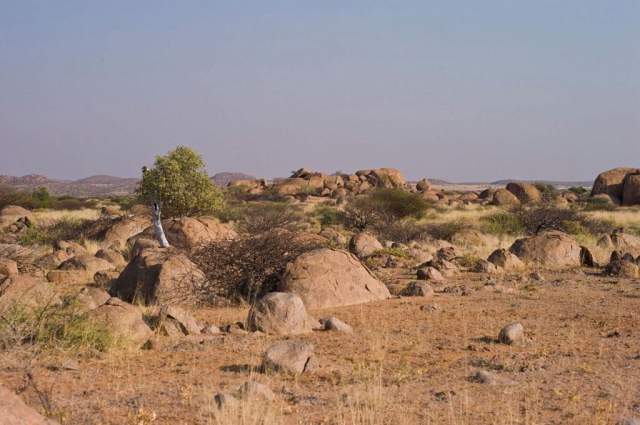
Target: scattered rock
[505,260]
[418,289]
[335,324]
[174,318]
[290,356]
[430,273]
[112,256]
[364,245]
[90,298]
[490,378]
[512,334]
[279,313]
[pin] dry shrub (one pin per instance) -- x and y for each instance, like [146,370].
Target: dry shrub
[247,268]
[383,207]
[263,217]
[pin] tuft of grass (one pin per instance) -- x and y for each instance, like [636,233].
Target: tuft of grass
[53,327]
[64,229]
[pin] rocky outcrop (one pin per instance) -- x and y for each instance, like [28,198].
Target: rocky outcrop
[502,198]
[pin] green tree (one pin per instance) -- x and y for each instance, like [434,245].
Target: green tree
[179,182]
[41,197]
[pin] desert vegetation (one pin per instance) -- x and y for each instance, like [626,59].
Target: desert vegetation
[322,299]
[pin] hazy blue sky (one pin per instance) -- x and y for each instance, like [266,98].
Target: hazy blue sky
[463,90]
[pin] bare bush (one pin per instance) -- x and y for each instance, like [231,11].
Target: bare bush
[258,218]
[247,268]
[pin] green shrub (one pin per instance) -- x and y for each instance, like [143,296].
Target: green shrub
[598,204]
[328,216]
[179,182]
[548,191]
[382,207]
[502,223]
[62,230]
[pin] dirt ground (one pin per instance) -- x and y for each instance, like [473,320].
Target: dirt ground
[409,361]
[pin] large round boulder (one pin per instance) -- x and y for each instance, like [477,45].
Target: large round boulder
[123,320]
[631,190]
[611,182]
[279,313]
[123,229]
[188,233]
[159,276]
[551,249]
[326,278]
[525,192]
[504,198]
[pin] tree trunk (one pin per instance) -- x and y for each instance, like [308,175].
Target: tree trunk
[157,226]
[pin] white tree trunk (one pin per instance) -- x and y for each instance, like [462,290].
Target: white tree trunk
[157,225]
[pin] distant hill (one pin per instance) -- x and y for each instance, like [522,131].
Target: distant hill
[93,186]
[224,178]
[556,183]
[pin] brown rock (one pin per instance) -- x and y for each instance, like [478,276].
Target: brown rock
[611,182]
[502,197]
[525,192]
[631,190]
[279,313]
[330,278]
[551,249]
[290,356]
[158,276]
[124,321]
[14,411]
[505,260]
[364,245]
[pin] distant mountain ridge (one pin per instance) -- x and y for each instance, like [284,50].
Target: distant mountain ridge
[98,185]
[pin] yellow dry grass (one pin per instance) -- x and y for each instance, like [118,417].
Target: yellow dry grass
[47,217]
[623,217]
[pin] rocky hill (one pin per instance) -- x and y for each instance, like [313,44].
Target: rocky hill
[99,185]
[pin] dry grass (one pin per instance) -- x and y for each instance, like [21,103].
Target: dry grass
[49,217]
[623,217]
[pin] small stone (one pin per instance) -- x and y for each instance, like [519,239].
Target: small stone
[289,356]
[335,324]
[536,276]
[512,334]
[430,307]
[490,378]
[430,273]
[255,390]
[211,330]
[418,289]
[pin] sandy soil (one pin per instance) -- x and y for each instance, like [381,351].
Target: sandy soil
[404,364]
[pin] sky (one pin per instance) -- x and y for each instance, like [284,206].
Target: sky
[461,90]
